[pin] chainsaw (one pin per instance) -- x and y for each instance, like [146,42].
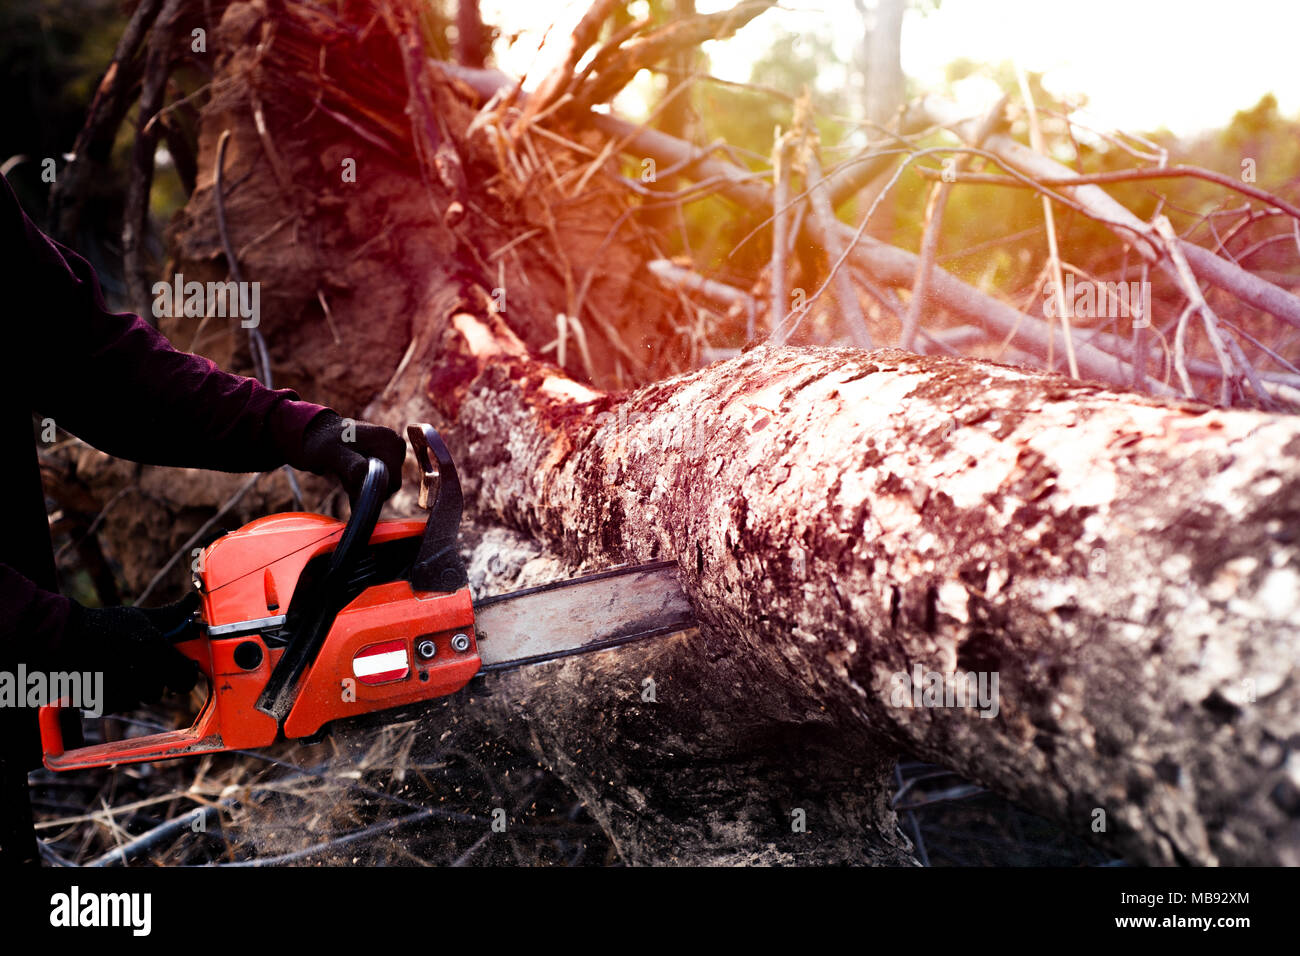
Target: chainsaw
[305,620]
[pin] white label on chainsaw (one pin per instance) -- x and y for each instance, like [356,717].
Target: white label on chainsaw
[381,663]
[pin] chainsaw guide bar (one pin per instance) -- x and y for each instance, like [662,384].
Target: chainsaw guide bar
[581,615]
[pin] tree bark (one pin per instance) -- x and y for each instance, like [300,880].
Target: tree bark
[880,58]
[471,44]
[1125,565]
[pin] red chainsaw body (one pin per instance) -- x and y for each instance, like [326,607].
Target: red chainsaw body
[370,659]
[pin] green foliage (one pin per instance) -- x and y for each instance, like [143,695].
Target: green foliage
[746,118]
[1260,134]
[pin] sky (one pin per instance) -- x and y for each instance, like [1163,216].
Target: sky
[1187,65]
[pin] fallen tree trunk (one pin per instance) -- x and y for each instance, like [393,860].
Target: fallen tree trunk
[1126,567]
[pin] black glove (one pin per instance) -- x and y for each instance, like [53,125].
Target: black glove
[132,648]
[334,446]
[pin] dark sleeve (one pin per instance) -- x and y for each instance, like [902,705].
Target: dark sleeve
[32,622]
[114,381]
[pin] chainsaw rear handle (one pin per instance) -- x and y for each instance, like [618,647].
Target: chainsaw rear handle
[200,737]
[60,724]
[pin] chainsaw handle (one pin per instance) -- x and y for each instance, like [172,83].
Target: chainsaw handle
[361,523]
[201,737]
[308,631]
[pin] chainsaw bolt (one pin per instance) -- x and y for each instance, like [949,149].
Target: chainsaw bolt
[426,649]
[460,643]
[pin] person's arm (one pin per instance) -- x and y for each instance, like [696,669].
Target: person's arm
[116,382]
[32,623]
[130,647]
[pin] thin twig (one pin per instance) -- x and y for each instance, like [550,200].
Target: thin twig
[934,229]
[1209,320]
[120,855]
[1136,175]
[1049,221]
[844,291]
[1180,351]
[781,193]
